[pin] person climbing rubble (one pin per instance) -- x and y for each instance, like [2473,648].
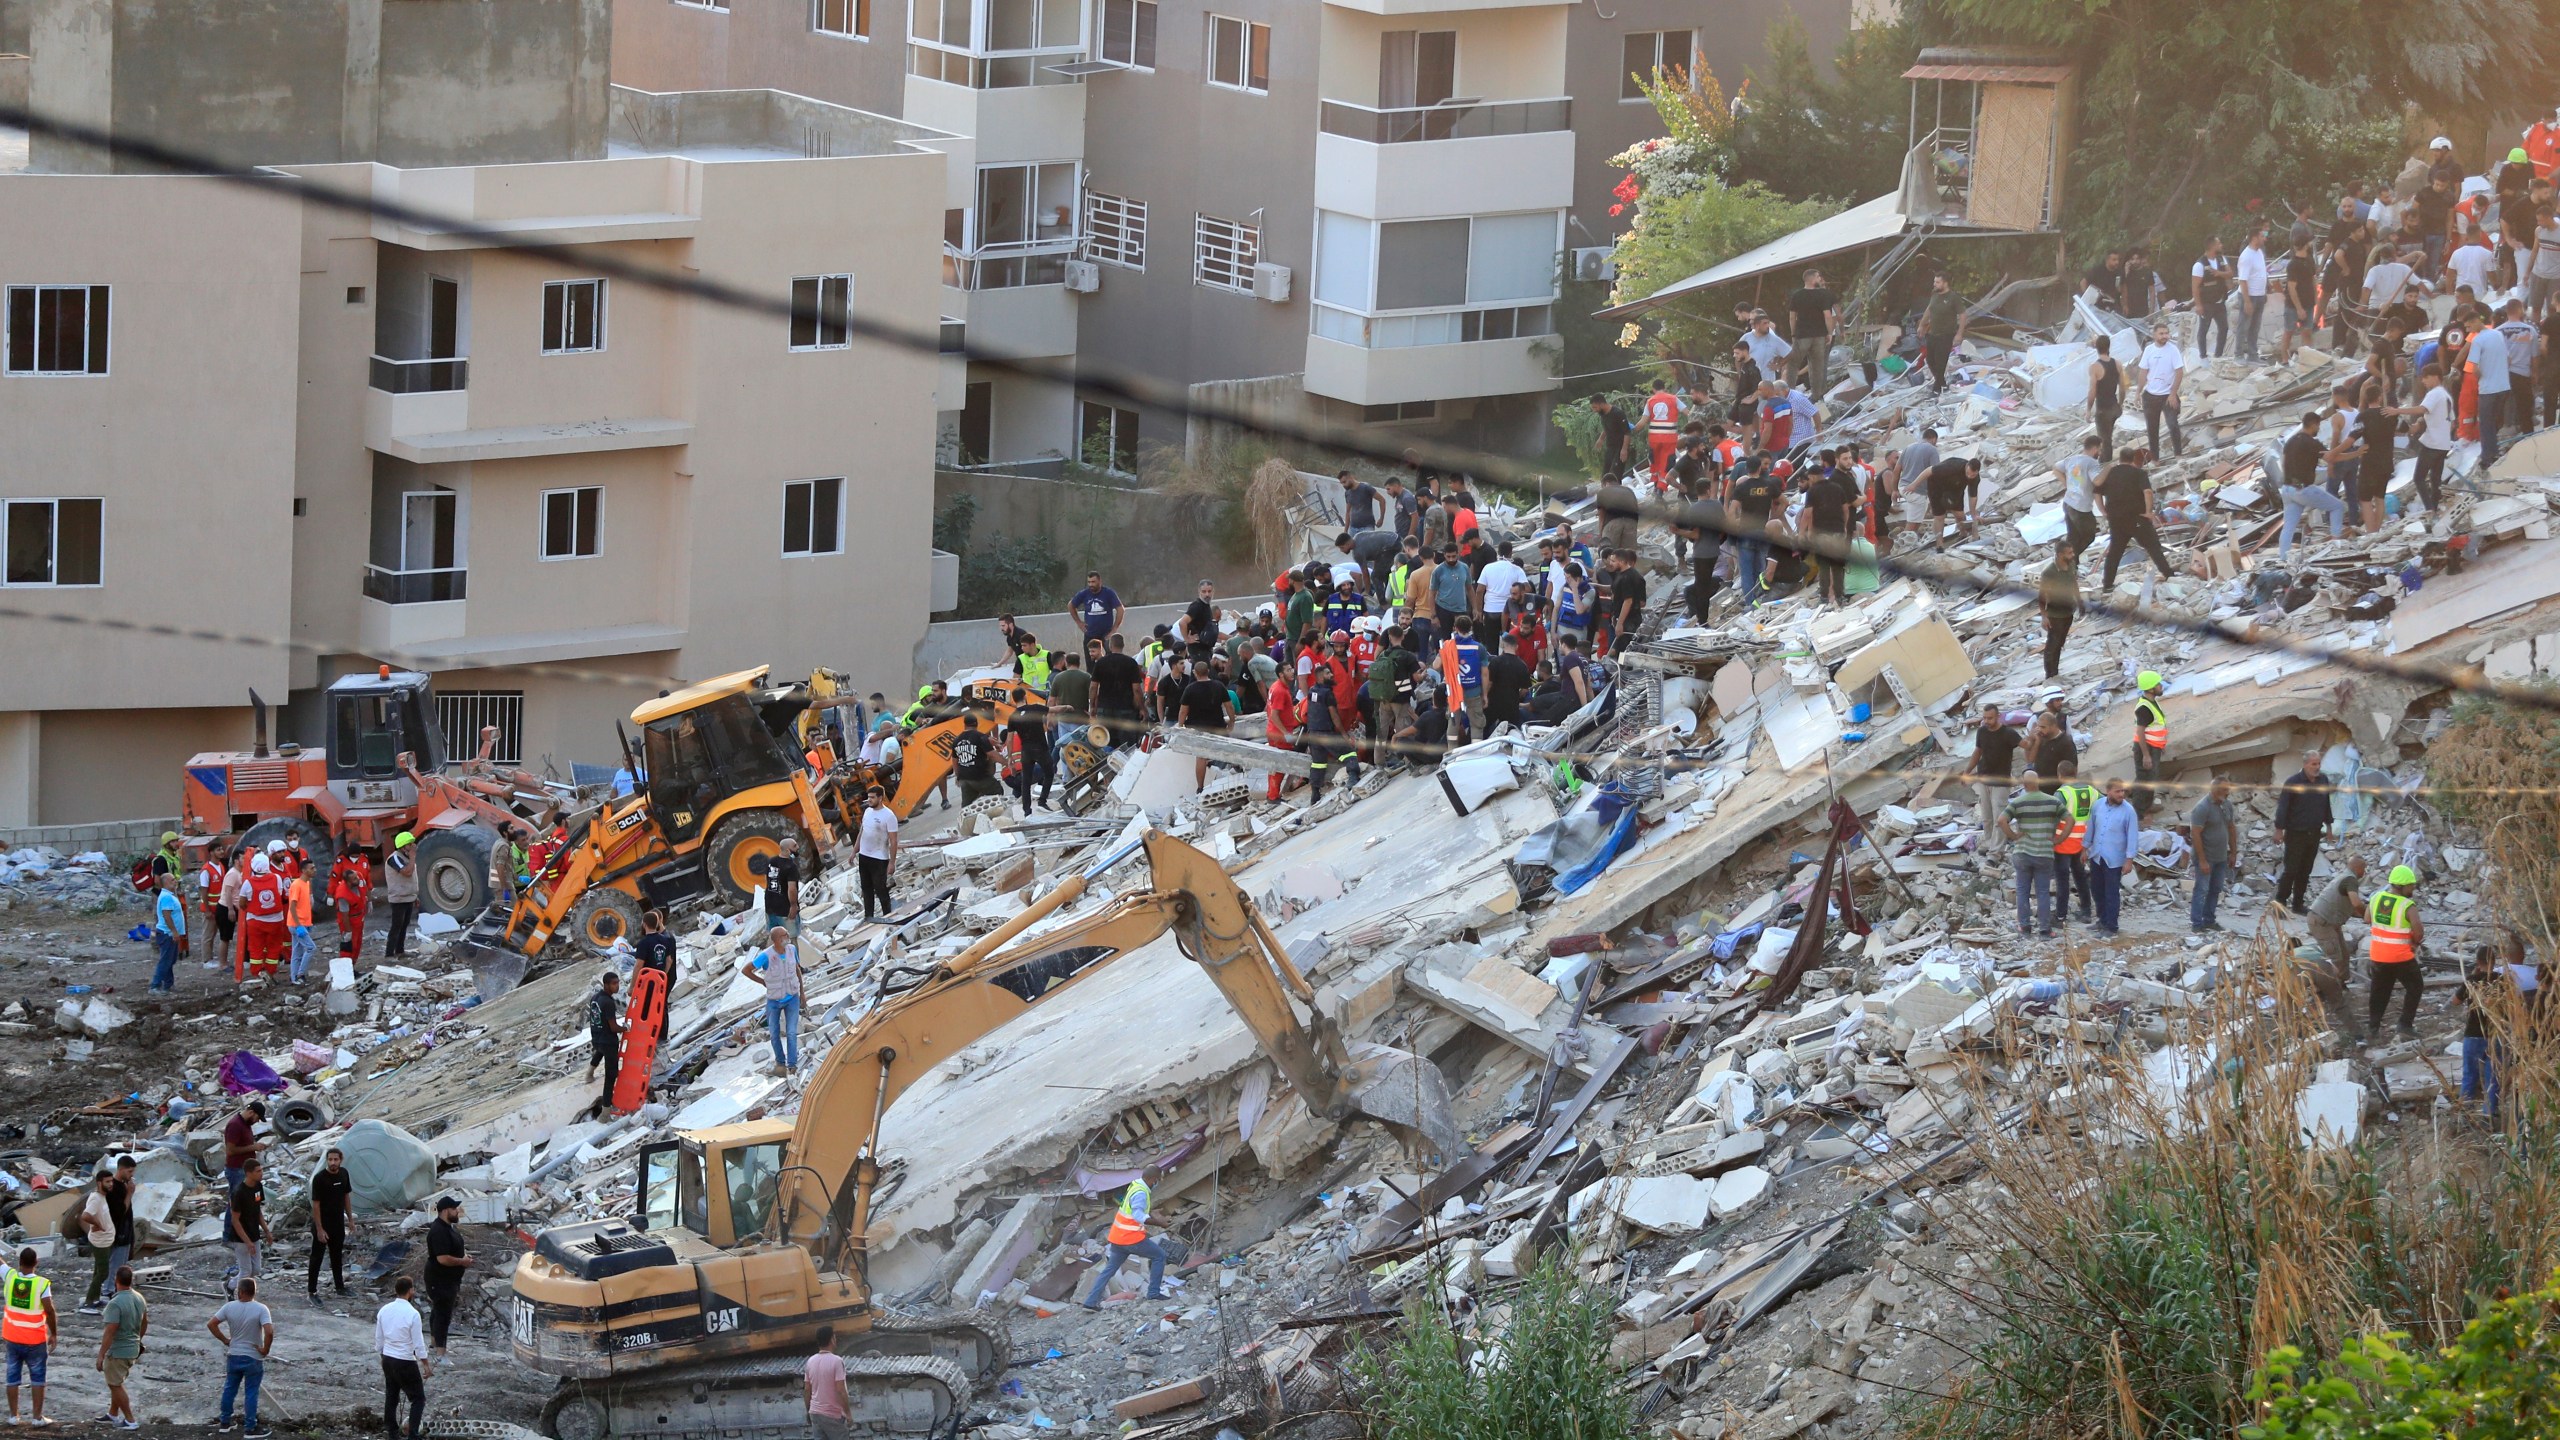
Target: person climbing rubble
[2391,950]
[2150,739]
[1128,1238]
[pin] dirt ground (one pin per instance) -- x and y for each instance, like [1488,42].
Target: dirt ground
[321,1378]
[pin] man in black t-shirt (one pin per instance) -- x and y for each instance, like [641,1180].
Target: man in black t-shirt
[1506,683]
[331,1190]
[1626,599]
[1813,312]
[1117,677]
[1826,518]
[782,887]
[1701,522]
[1754,495]
[447,1261]
[1200,622]
[973,760]
[1953,485]
[1030,730]
[2124,492]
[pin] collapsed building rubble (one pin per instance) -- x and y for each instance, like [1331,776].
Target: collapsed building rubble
[1714,996]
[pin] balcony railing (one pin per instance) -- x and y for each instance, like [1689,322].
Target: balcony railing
[412,587]
[1008,265]
[419,377]
[1449,120]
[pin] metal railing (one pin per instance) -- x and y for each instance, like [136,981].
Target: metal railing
[413,587]
[1449,120]
[419,377]
[1009,264]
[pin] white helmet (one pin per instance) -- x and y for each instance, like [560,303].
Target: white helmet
[258,865]
[275,847]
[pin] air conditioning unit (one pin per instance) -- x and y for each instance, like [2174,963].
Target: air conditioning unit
[1596,262]
[1271,282]
[1083,276]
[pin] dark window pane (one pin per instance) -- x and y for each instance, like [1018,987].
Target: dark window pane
[1637,65]
[590,506]
[30,543]
[1228,66]
[97,329]
[555,300]
[804,311]
[77,541]
[1143,52]
[836,296]
[22,330]
[795,518]
[825,532]
[559,514]
[1258,73]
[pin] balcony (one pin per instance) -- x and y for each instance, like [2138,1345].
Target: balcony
[1477,158]
[1008,266]
[413,587]
[1436,7]
[1450,120]
[419,377]
[1410,367]
[1433,327]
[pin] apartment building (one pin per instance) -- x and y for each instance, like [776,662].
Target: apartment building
[1353,211]
[259,419]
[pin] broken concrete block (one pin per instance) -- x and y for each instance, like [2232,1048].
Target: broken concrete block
[1016,1235]
[1768,1067]
[1923,1005]
[1667,1204]
[1923,1112]
[2331,1113]
[1163,1398]
[1509,1256]
[1630,1348]
[1738,1192]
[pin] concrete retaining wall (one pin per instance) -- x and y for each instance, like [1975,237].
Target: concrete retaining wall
[1150,546]
[122,839]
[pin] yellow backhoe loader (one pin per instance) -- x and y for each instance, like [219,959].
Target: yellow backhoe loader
[693,1317]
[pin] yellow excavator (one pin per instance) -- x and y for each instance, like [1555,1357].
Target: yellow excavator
[695,1315]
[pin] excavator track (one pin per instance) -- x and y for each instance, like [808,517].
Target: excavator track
[893,1395]
[976,1340]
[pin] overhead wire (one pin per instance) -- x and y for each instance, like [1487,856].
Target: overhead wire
[1110,381]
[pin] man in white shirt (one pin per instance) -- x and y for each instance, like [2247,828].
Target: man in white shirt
[2253,292]
[2470,264]
[2434,439]
[874,849]
[2164,369]
[400,1337]
[2489,357]
[1499,580]
[1766,345]
[2080,494]
[2385,281]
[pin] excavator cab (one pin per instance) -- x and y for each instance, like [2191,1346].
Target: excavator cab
[697,758]
[375,719]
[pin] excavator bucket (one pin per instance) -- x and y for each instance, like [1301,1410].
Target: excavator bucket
[496,966]
[1407,1094]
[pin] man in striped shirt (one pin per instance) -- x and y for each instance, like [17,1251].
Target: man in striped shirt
[2034,821]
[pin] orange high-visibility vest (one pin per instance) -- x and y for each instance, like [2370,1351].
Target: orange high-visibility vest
[2151,723]
[22,1322]
[1129,1223]
[2077,801]
[2391,942]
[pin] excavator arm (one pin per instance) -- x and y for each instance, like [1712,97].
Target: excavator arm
[834,1168]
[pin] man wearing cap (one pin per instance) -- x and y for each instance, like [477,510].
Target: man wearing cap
[2392,950]
[447,1261]
[400,888]
[2150,738]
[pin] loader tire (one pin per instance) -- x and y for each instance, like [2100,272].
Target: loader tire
[739,847]
[600,917]
[453,871]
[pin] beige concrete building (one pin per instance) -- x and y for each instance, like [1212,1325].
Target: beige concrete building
[1355,211]
[260,420]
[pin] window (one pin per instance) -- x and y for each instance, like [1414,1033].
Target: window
[52,542]
[1652,50]
[1409,410]
[996,44]
[849,18]
[1223,254]
[720,5]
[1434,264]
[1416,67]
[1107,437]
[1115,230]
[572,316]
[821,312]
[57,330]
[569,521]
[1025,204]
[813,517]
[1239,54]
[1129,32]
[463,714]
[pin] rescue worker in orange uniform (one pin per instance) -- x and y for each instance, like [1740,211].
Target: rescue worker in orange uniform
[1662,428]
[2392,949]
[2079,802]
[1127,1237]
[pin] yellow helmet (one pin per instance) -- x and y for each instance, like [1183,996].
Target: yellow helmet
[403,838]
[2148,680]
[2403,875]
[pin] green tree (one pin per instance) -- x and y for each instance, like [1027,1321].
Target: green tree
[2198,112]
[2500,1380]
[1689,232]
[1543,1375]
[1807,135]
